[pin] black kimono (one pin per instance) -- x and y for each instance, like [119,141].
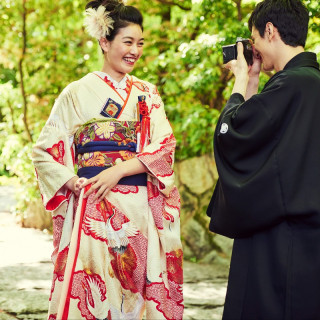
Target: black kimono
[267,151]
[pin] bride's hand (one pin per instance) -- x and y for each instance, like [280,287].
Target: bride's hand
[79,184]
[103,182]
[75,184]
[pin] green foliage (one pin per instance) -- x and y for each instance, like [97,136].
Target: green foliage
[187,67]
[44,47]
[48,41]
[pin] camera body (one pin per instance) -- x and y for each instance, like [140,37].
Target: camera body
[230,51]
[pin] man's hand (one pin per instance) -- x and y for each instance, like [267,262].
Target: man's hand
[238,67]
[247,77]
[254,72]
[255,68]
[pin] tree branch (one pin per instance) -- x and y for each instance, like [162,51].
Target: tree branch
[225,77]
[14,128]
[172,3]
[238,4]
[21,60]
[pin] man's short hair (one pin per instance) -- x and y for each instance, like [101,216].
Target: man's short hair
[290,17]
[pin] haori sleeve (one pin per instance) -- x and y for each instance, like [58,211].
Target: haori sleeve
[53,153]
[158,156]
[249,196]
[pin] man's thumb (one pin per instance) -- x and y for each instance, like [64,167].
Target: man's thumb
[240,48]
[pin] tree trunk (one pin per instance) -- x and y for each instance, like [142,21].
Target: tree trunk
[21,60]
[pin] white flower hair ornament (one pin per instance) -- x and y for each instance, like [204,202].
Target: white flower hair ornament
[98,23]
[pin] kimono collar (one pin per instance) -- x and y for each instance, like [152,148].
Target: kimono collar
[303,59]
[122,84]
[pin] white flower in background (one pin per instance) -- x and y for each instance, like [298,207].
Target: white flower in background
[209,40]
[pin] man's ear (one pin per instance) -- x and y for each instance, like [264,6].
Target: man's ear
[104,44]
[270,31]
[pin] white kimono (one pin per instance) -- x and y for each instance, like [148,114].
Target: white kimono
[122,256]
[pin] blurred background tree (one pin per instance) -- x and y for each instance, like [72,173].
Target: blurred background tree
[44,47]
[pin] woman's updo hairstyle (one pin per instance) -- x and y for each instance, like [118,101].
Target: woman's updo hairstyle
[121,15]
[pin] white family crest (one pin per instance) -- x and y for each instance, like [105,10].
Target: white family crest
[224,128]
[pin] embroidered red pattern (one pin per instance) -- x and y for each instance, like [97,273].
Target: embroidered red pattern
[90,290]
[61,262]
[156,203]
[102,219]
[141,86]
[160,161]
[57,222]
[173,201]
[170,308]
[110,83]
[123,264]
[174,266]
[155,91]
[57,151]
[57,200]
[156,105]
[143,108]
[124,189]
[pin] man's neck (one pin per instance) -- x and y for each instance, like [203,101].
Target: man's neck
[285,55]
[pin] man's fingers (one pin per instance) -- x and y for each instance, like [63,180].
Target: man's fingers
[240,48]
[227,65]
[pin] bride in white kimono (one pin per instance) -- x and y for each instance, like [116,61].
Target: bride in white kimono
[104,165]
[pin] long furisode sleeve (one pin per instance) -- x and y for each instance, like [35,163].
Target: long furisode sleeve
[248,195]
[164,202]
[158,157]
[53,154]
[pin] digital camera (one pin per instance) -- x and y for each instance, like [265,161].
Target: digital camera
[230,51]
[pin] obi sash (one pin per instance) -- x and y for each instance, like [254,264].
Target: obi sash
[134,180]
[97,151]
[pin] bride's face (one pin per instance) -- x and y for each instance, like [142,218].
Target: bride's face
[123,51]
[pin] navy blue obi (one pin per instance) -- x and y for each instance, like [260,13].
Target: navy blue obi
[113,147]
[135,180]
[105,146]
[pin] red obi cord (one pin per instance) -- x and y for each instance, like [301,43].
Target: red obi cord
[145,124]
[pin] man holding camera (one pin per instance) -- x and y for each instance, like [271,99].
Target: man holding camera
[267,152]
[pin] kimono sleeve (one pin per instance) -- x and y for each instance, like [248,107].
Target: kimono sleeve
[158,156]
[53,153]
[248,196]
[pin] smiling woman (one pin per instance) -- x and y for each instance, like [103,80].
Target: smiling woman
[122,53]
[119,35]
[117,249]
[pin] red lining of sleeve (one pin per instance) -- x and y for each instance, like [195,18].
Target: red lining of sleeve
[57,200]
